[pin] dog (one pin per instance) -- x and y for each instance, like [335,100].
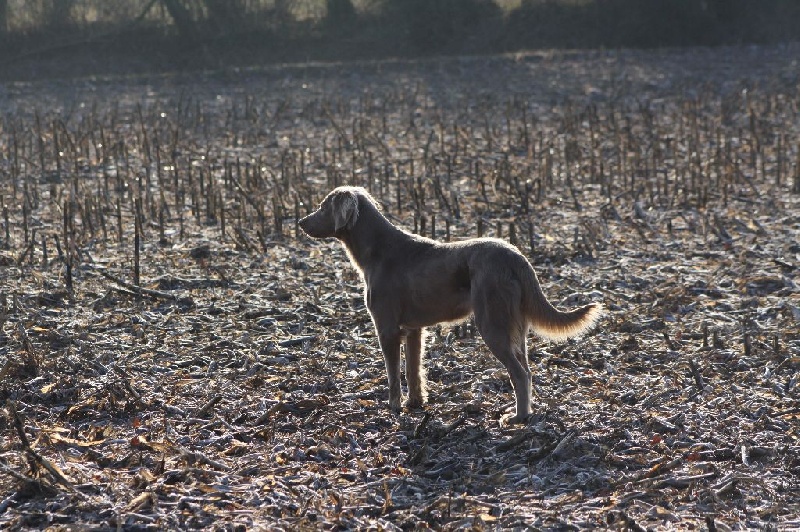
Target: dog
[412,282]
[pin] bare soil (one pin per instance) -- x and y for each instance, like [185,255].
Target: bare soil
[238,384]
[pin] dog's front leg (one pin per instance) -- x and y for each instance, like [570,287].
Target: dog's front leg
[415,369]
[390,345]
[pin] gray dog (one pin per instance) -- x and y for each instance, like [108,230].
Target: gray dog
[414,282]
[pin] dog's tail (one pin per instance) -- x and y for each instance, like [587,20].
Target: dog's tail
[553,324]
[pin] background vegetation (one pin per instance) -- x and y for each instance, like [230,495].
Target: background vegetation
[156,34]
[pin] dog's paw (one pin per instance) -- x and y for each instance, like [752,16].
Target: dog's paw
[395,404]
[514,419]
[414,403]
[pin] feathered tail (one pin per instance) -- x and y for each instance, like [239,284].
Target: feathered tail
[553,324]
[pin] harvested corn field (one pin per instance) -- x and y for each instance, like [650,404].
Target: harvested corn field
[175,354]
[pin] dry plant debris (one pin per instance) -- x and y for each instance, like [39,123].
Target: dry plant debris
[174,356]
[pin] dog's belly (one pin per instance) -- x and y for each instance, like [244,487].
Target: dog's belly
[436,308]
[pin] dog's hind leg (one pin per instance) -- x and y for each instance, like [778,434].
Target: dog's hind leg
[502,328]
[415,369]
[519,340]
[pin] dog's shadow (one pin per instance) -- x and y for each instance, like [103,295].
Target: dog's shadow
[474,455]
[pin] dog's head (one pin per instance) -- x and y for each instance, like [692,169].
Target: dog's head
[337,213]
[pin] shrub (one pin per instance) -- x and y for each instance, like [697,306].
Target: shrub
[430,25]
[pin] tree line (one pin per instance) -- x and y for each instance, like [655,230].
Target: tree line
[342,29]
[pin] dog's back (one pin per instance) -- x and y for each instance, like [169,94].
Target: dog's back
[432,282]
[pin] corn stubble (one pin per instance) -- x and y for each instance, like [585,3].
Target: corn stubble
[174,353]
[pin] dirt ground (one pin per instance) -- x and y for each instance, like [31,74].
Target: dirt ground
[227,375]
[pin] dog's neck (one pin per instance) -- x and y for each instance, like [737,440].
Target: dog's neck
[369,237]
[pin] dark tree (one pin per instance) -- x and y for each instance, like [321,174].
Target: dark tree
[182,17]
[3,17]
[340,13]
[225,15]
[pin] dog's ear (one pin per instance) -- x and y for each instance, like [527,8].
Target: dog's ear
[345,210]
